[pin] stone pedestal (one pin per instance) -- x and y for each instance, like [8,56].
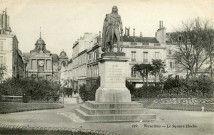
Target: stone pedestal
[113,73]
[113,99]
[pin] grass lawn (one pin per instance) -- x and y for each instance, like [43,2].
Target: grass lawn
[8,107]
[151,105]
[40,132]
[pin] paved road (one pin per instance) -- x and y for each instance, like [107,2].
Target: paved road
[202,122]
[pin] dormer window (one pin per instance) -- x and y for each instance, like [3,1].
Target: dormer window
[145,43]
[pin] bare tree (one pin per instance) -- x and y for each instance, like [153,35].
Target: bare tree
[209,45]
[191,40]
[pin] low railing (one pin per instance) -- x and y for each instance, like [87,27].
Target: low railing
[6,98]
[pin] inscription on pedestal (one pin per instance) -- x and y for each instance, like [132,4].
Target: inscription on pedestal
[115,74]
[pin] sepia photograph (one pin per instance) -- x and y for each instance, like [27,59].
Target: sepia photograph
[106,67]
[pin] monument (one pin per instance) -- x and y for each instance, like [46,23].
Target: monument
[113,100]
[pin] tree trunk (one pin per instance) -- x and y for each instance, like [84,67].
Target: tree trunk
[147,78]
[211,67]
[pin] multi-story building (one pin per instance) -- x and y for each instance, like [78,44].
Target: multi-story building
[75,73]
[94,53]
[42,64]
[139,49]
[10,56]
[172,67]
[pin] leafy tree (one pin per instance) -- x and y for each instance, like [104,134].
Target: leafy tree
[87,92]
[36,89]
[170,84]
[131,87]
[3,71]
[144,70]
[158,68]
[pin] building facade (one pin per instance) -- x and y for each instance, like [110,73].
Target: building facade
[138,50]
[75,73]
[42,64]
[11,61]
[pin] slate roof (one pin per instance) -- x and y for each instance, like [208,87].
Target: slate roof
[40,41]
[26,56]
[139,39]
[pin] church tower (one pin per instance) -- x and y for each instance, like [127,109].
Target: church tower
[63,59]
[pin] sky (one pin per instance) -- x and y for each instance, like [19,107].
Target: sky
[62,22]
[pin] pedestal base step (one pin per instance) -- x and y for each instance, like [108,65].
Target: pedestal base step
[114,117]
[92,111]
[113,112]
[98,105]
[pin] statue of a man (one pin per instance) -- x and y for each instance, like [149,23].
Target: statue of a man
[112,28]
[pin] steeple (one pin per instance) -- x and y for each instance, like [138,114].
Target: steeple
[40,45]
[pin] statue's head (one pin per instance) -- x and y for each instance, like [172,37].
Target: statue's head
[114,9]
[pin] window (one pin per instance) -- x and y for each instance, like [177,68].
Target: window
[33,65]
[48,77]
[157,55]
[1,45]
[90,56]
[133,72]
[170,51]
[133,56]
[1,61]
[145,56]
[171,65]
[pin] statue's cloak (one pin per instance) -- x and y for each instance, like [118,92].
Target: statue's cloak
[104,33]
[108,36]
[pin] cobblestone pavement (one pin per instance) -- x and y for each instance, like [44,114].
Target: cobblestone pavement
[169,122]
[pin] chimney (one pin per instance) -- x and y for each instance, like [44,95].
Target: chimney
[160,24]
[161,33]
[141,34]
[134,32]
[128,30]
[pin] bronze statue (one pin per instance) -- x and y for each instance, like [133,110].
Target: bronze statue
[112,28]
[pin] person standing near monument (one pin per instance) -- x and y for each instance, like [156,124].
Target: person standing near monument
[112,28]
